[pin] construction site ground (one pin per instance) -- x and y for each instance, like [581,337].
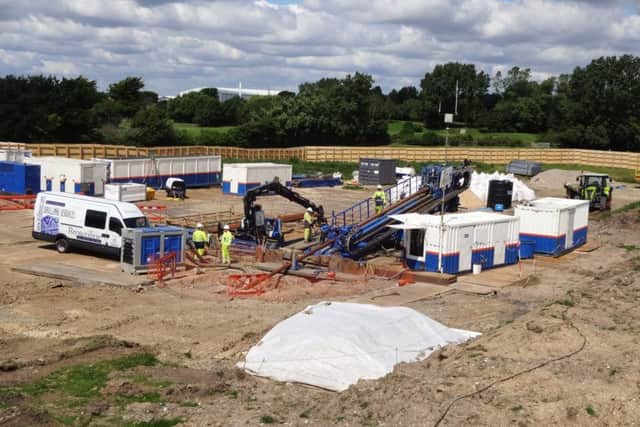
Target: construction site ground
[559,348]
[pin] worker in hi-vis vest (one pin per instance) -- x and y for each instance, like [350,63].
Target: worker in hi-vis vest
[380,199]
[200,239]
[225,241]
[308,223]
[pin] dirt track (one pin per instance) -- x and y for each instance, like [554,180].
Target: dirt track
[199,334]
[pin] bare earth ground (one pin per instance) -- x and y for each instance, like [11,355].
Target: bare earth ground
[579,319]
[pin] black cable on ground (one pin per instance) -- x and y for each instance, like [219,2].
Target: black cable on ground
[517,374]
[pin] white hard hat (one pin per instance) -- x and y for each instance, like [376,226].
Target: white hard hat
[199,225]
[379,187]
[226,227]
[309,209]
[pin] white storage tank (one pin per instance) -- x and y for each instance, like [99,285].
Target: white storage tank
[195,171]
[129,192]
[14,155]
[71,175]
[553,225]
[237,178]
[464,239]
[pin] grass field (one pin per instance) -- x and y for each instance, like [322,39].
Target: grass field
[195,130]
[617,174]
[395,127]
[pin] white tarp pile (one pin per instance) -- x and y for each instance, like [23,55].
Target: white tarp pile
[480,186]
[332,345]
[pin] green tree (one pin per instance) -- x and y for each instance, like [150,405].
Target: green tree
[151,127]
[438,89]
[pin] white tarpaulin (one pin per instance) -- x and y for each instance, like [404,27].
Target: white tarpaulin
[480,186]
[334,344]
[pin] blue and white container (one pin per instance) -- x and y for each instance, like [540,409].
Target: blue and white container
[195,171]
[238,178]
[456,242]
[555,225]
[19,178]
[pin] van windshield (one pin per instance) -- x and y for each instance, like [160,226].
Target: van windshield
[138,222]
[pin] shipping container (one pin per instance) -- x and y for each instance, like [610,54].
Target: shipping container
[14,155]
[459,241]
[19,178]
[554,225]
[195,171]
[129,192]
[238,178]
[377,171]
[71,175]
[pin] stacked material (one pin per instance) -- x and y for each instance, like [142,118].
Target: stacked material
[332,345]
[480,186]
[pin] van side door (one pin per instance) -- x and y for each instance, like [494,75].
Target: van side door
[94,230]
[115,232]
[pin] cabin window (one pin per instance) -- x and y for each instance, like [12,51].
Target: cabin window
[115,225]
[416,242]
[95,219]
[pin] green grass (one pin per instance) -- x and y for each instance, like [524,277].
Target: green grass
[591,411]
[617,174]
[395,126]
[192,129]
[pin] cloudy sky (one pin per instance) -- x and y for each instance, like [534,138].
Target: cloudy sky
[177,45]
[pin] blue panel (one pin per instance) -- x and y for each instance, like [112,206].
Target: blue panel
[49,185]
[173,244]
[450,262]
[150,249]
[32,180]
[511,254]
[62,186]
[226,187]
[415,265]
[483,257]
[545,244]
[580,236]
[77,188]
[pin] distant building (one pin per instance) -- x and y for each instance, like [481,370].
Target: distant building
[225,93]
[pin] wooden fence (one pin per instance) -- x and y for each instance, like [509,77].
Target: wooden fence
[615,159]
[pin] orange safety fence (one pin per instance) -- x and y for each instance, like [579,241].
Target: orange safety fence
[17,202]
[165,265]
[155,213]
[246,284]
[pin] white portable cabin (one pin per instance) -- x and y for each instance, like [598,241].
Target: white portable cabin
[460,241]
[237,178]
[195,171]
[554,225]
[14,155]
[71,175]
[128,192]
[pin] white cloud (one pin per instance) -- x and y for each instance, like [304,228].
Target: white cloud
[176,44]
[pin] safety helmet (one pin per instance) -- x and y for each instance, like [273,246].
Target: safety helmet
[309,209]
[226,227]
[199,225]
[379,187]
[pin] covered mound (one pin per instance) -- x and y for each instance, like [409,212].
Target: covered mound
[334,344]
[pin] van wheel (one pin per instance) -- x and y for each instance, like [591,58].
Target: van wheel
[62,246]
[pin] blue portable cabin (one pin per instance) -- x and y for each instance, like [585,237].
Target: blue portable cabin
[19,178]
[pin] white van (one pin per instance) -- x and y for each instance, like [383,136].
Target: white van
[72,220]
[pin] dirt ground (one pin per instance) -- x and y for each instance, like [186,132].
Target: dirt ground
[559,350]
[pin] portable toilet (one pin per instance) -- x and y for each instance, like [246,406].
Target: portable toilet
[553,225]
[456,242]
[238,178]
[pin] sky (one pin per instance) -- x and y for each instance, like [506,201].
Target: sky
[278,44]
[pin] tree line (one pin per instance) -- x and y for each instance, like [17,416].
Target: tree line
[593,107]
